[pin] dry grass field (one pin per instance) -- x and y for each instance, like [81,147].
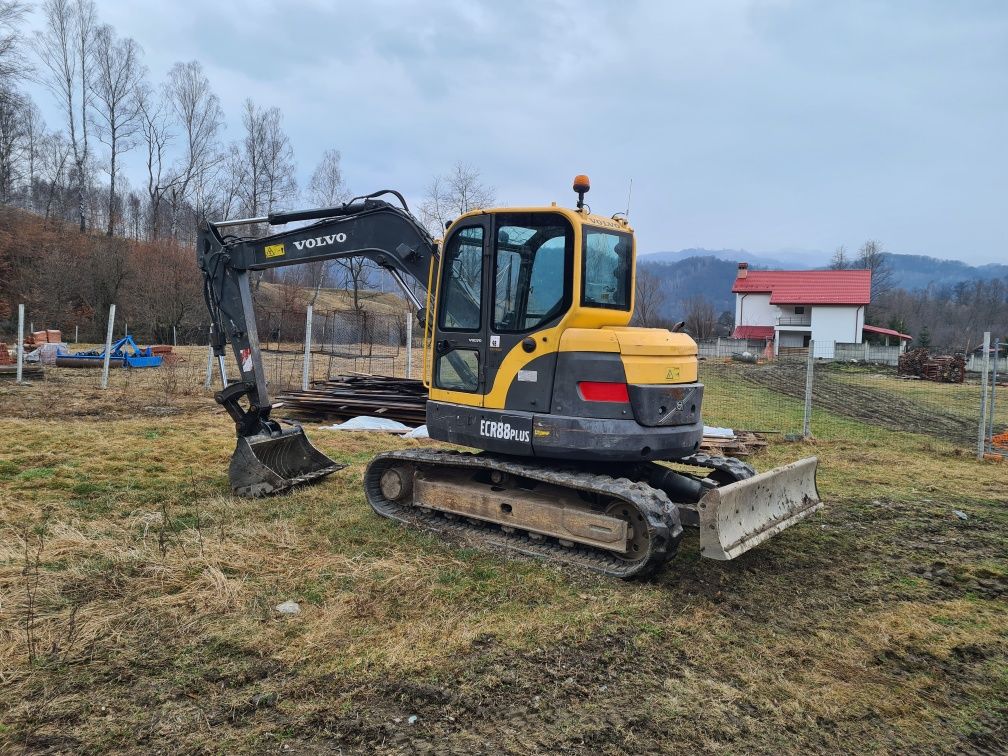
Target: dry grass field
[137,606]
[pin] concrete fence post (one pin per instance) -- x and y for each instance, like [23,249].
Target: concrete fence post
[807,419]
[174,336]
[994,380]
[108,347]
[409,344]
[20,343]
[306,367]
[984,369]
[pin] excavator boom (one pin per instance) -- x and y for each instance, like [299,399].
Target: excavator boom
[270,458]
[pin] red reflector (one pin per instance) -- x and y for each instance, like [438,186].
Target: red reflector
[596,391]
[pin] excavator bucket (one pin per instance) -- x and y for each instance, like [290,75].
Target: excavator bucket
[736,517]
[268,464]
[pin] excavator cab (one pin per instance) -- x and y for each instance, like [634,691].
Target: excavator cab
[530,350]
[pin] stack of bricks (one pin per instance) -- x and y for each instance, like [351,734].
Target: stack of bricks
[50,336]
[5,356]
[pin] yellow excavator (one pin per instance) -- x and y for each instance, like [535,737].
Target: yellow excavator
[528,359]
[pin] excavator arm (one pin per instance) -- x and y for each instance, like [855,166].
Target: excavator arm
[269,458]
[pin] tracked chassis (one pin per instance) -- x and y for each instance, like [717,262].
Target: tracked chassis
[617,524]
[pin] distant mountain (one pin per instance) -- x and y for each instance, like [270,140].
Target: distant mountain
[701,274]
[786,259]
[712,273]
[919,271]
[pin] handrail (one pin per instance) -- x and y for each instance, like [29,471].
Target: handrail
[426,377]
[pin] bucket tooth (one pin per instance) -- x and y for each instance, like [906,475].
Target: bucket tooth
[268,464]
[736,517]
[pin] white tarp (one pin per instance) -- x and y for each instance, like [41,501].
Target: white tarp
[420,432]
[368,423]
[714,432]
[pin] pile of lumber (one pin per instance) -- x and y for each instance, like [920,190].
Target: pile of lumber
[347,396]
[919,363]
[743,444]
[28,371]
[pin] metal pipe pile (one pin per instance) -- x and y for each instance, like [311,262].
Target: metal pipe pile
[349,396]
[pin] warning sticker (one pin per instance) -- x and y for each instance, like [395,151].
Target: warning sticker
[246,360]
[274,250]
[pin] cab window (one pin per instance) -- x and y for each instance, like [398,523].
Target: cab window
[463,281]
[531,263]
[606,268]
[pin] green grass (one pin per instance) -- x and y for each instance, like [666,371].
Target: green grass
[155,596]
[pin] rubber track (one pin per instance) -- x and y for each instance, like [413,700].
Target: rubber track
[661,515]
[736,469]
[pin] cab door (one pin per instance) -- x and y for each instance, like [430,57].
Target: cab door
[460,349]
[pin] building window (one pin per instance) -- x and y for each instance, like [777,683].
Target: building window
[799,310]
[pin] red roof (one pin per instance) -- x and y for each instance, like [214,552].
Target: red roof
[887,332]
[840,287]
[753,332]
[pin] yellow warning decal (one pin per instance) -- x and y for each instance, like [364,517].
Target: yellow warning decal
[274,250]
[672,374]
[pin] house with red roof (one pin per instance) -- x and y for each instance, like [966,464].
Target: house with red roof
[790,308]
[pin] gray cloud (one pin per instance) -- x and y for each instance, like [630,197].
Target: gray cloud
[764,125]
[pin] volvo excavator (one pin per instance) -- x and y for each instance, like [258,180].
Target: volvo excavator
[586,431]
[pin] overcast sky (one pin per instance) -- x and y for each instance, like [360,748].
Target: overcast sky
[760,125]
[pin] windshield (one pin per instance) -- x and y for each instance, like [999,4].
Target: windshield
[607,264]
[531,286]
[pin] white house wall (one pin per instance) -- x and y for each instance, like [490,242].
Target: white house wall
[833,323]
[756,310]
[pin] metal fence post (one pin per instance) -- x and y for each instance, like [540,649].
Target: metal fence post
[108,347]
[306,368]
[409,344]
[994,380]
[20,343]
[807,420]
[76,333]
[209,367]
[983,395]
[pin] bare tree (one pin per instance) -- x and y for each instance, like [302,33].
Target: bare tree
[701,320]
[34,138]
[156,137]
[457,192]
[356,276]
[840,261]
[55,152]
[328,189]
[65,47]
[117,74]
[266,161]
[199,115]
[280,175]
[12,63]
[12,138]
[647,299]
[872,257]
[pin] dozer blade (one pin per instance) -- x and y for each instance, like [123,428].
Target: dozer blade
[736,517]
[268,464]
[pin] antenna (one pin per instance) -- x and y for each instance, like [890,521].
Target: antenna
[629,192]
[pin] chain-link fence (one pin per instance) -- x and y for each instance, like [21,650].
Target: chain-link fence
[829,392]
[824,392]
[342,342]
